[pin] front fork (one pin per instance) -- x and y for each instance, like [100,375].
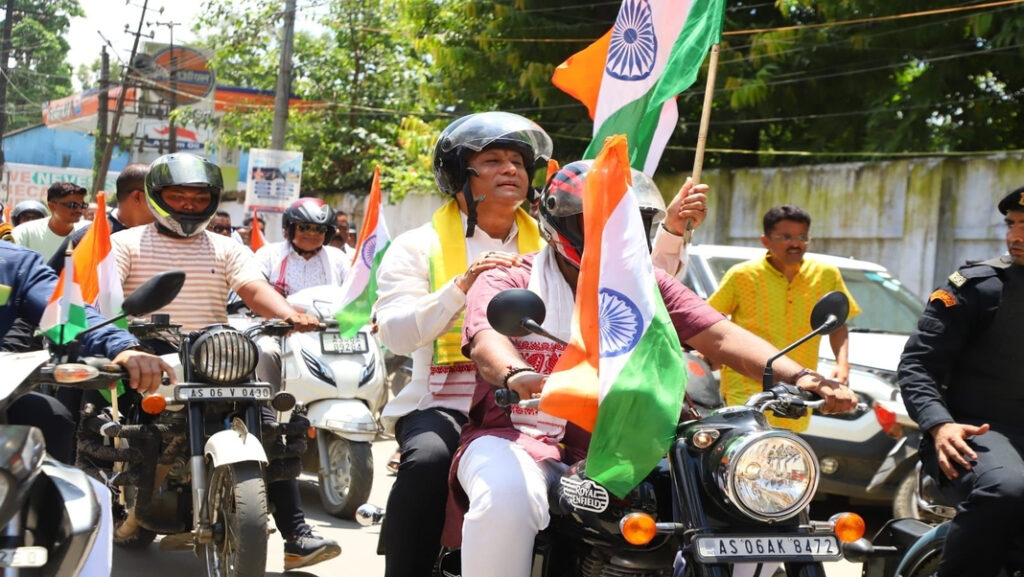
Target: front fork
[201,514]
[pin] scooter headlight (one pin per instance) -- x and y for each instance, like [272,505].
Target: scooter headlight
[223,356]
[769,476]
[21,455]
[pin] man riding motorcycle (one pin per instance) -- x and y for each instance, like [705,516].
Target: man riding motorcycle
[508,460]
[183,192]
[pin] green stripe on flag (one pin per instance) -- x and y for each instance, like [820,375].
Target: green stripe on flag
[357,313]
[637,420]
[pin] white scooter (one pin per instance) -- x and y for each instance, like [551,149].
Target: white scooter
[341,383]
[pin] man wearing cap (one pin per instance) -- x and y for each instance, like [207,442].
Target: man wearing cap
[961,381]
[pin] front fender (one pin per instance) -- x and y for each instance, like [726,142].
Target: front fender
[226,447]
[349,418]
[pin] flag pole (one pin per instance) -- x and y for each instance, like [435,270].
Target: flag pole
[702,133]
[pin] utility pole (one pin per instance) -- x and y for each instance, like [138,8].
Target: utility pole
[101,117]
[5,56]
[172,135]
[108,150]
[284,79]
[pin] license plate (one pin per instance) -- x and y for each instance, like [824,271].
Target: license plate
[23,557]
[235,393]
[740,548]
[334,343]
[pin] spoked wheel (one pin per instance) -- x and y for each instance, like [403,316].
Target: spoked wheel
[346,484]
[238,509]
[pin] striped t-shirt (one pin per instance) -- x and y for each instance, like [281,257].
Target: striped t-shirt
[213,265]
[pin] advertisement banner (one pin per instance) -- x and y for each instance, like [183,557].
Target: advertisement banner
[273,179]
[29,181]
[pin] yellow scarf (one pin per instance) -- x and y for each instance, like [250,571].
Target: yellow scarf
[448,259]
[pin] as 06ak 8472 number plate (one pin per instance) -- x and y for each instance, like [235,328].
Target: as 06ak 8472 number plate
[233,393]
[740,548]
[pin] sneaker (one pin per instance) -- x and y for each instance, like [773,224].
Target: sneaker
[304,548]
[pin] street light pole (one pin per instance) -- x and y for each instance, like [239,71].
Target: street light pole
[172,137]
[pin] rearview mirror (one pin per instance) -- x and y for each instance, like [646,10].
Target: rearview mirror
[509,308]
[830,312]
[154,294]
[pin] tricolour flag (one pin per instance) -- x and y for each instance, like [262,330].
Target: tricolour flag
[64,316]
[623,375]
[629,78]
[96,267]
[359,291]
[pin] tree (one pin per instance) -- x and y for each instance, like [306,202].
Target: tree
[39,69]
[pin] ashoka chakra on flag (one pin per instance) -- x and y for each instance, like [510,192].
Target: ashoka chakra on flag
[633,48]
[620,321]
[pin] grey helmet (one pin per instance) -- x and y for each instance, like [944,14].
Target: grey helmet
[189,170]
[476,132]
[27,206]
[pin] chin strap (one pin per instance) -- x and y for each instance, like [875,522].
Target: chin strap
[471,202]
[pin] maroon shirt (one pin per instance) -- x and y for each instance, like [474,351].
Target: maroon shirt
[690,315]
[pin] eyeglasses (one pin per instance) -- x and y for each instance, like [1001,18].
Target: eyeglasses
[801,238]
[310,227]
[219,228]
[74,205]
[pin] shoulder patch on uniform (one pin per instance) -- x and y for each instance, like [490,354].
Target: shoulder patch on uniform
[943,296]
[957,279]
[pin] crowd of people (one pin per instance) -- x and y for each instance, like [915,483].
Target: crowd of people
[434,284]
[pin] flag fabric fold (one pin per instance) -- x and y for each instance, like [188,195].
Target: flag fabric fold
[629,78]
[89,277]
[256,241]
[359,291]
[623,375]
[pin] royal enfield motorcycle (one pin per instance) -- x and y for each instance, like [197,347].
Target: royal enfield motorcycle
[732,489]
[192,462]
[50,512]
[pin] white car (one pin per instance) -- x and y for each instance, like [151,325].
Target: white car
[851,446]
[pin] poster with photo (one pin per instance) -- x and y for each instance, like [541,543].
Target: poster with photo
[272,179]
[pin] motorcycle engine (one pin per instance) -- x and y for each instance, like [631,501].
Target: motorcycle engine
[583,509]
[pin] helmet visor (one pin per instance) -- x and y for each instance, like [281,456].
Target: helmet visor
[187,173]
[478,133]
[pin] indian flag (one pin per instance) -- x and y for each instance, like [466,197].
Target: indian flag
[64,316]
[629,78]
[623,375]
[96,267]
[359,290]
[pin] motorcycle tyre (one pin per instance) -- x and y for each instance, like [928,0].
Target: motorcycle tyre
[249,522]
[925,563]
[344,502]
[904,503]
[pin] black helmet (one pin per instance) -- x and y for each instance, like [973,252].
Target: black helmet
[476,132]
[183,169]
[561,208]
[25,207]
[311,210]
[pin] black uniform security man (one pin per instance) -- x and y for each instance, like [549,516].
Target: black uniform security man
[961,381]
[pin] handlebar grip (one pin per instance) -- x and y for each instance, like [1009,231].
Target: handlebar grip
[505,398]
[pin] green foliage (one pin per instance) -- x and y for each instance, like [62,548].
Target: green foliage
[39,69]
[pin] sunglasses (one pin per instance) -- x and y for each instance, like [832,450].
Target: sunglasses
[73,205]
[220,228]
[310,227]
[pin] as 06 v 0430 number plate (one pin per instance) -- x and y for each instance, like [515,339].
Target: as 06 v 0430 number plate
[740,548]
[232,393]
[23,557]
[334,343]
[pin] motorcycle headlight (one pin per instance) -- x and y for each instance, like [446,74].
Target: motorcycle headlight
[223,356]
[769,476]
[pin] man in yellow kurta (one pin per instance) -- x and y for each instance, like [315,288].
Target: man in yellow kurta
[772,297]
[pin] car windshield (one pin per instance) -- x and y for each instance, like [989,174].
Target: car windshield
[886,305]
